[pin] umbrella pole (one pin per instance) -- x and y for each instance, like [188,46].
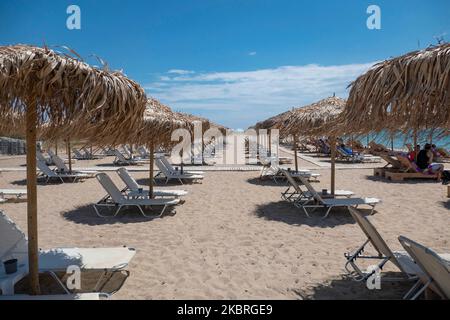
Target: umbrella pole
[69,155]
[295,153]
[415,145]
[392,143]
[333,164]
[31,121]
[56,147]
[152,154]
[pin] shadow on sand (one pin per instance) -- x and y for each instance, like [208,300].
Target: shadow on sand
[162,182]
[42,183]
[345,288]
[283,211]
[267,182]
[86,215]
[407,181]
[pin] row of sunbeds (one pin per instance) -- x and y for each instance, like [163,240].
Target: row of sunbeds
[427,269]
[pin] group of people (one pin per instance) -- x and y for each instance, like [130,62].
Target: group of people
[426,159]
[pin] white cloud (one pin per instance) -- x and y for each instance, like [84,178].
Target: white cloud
[239,99]
[253,53]
[180,71]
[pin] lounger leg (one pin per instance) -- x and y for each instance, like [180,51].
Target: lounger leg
[306,212]
[328,212]
[412,290]
[421,290]
[117,211]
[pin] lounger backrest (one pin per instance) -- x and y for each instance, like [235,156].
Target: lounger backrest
[77,153]
[110,187]
[393,162]
[127,179]
[167,164]
[311,189]
[13,244]
[45,169]
[162,167]
[142,152]
[127,151]
[60,163]
[87,153]
[343,152]
[119,156]
[291,181]
[430,263]
[374,237]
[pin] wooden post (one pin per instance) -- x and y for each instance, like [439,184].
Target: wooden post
[415,145]
[69,155]
[352,144]
[333,164]
[295,153]
[31,122]
[152,155]
[56,147]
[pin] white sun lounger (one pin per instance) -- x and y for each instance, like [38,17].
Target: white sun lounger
[175,176]
[62,167]
[41,157]
[51,154]
[14,244]
[116,199]
[12,193]
[122,161]
[435,267]
[276,173]
[49,174]
[78,155]
[143,153]
[134,190]
[295,194]
[171,169]
[401,259]
[57,297]
[318,202]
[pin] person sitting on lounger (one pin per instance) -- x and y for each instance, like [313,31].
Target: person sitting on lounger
[412,152]
[425,162]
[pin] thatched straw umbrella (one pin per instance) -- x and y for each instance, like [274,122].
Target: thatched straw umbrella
[411,91]
[277,122]
[158,123]
[46,87]
[314,120]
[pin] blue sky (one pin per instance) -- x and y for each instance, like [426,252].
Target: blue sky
[236,62]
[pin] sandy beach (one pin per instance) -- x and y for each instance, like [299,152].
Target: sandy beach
[234,238]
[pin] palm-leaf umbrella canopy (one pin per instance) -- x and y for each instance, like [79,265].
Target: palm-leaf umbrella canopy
[314,119]
[46,89]
[158,123]
[68,92]
[410,91]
